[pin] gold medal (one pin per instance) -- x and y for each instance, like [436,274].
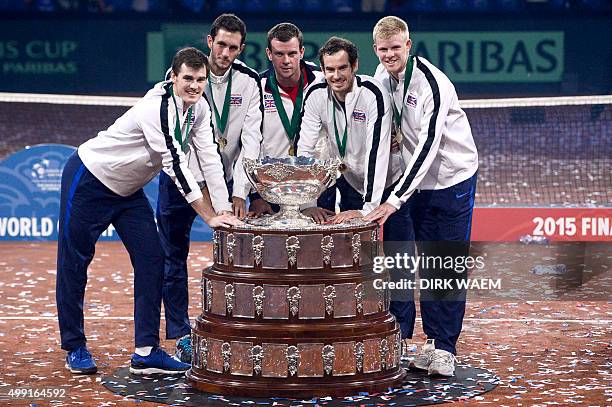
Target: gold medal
[342,167]
[398,136]
[222,142]
[291,151]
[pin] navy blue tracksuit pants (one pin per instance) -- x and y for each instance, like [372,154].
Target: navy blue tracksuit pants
[175,218]
[87,208]
[440,222]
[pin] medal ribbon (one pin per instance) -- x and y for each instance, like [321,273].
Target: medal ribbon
[341,144]
[178,135]
[222,120]
[397,114]
[290,128]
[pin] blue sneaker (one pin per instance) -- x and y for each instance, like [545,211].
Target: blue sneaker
[158,361]
[183,349]
[80,361]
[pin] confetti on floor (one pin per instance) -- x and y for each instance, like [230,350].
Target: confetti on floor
[417,390]
[546,349]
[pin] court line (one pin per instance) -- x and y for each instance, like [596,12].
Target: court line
[483,320]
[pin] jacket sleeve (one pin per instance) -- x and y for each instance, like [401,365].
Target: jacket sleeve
[376,160]
[157,123]
[310,125]
[209,160]
[435,110]
[251,140]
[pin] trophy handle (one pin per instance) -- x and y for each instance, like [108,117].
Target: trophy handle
[250,168]
[331,167]
[248,164]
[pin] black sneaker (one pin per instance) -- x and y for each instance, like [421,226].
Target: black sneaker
[157,361]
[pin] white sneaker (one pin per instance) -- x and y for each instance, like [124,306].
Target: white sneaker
[423,359]
[442,363]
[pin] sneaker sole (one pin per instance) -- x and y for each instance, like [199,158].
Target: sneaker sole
[154,370]
[413,366]
[439,373]
[91,370]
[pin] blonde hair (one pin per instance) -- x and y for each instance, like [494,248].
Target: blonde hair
[388,26]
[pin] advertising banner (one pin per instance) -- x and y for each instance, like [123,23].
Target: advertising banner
[545,224]
[124,57]
[470,57]
[73,57]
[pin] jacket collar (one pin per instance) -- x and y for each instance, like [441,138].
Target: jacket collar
[308,68]
[223,78]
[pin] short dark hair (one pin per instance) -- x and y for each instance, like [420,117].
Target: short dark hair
[337,44]
[283,32]
[191,57]
[230,23]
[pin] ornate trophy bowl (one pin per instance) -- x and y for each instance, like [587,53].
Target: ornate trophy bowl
[289,182]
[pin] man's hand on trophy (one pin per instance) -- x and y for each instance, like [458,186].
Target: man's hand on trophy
[346,215]
[380,214]
[319,215]
[226,220]
[259,207]
[239,206]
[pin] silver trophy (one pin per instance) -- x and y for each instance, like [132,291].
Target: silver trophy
[290,182]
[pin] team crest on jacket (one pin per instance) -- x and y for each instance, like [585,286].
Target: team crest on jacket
[269,102]
[359,116]
[411,100]
[192,119]
[236,100]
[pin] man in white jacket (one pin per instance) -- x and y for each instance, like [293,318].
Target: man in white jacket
[284,86]
[437,187]
[355,114]
[102,185]
[234,93]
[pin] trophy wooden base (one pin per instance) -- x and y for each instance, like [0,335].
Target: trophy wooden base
[295,314]
[340,387]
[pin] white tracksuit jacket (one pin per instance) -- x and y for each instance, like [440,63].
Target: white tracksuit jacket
[437,147]
[367,156]
[243,131]
[133,150]
[275,141]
